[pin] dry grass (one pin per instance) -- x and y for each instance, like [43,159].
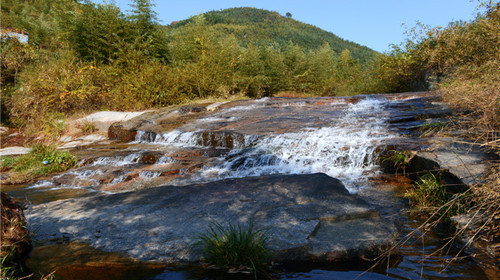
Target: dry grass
[294,94]
[477,91]
[15,238]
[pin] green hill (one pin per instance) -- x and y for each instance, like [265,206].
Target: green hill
[257,26]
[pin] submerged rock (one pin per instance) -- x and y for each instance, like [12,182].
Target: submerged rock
[311,218]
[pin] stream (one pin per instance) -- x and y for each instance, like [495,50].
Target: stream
[338,136]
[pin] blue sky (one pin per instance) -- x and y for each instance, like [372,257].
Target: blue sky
[373,23]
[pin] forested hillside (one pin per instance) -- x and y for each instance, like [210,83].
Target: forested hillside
[253,26]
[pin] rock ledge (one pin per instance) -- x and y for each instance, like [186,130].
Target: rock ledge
[310,218]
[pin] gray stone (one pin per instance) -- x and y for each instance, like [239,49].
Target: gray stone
[309,218]
[102,120]
[10,151]
[467,161]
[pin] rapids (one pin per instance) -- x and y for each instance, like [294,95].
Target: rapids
[338,136]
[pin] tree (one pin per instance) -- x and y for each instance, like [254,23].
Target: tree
[150,38]
[96,32]
[320,67]
[144,17]
[288,15]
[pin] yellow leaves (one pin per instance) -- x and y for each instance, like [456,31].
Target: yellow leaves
[78,94]
[87,67]
[63,96]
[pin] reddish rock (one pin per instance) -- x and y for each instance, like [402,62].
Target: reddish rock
[117,132]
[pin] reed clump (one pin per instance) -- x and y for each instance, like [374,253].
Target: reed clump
[236,249]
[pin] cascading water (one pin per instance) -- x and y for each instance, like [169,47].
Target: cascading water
[335,136]
[344,150]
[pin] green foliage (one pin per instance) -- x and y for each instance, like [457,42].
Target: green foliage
[430,195]
[9,268]
[97,31]
[41,160]
[259,27]
[240,248]
[8,162]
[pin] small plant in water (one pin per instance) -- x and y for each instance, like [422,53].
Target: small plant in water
[236,248]
[428,192]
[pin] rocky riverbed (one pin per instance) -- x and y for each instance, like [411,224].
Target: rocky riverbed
[293,166]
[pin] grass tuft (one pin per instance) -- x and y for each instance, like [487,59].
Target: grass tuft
[238,248]
[87,127]
[430,195]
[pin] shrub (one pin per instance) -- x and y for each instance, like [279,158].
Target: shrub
[16,243]
[240,248]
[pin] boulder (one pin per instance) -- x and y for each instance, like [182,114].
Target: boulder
[102,120]
[310,218]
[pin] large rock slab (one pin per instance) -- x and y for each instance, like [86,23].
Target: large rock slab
[309,217]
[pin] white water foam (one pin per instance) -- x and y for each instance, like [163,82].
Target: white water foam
[86,173]
[40,184]
[176,138]
[118,179]
[216,119]
[165,160]
[118,161]
[149,174]
[345,151]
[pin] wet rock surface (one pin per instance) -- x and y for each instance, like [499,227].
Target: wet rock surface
[309,217]
[338,136]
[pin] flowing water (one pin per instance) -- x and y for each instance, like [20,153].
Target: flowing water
[337,136]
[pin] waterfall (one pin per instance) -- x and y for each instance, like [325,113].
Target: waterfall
[344,150]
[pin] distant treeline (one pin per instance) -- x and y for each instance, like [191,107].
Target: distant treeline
[84,56]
